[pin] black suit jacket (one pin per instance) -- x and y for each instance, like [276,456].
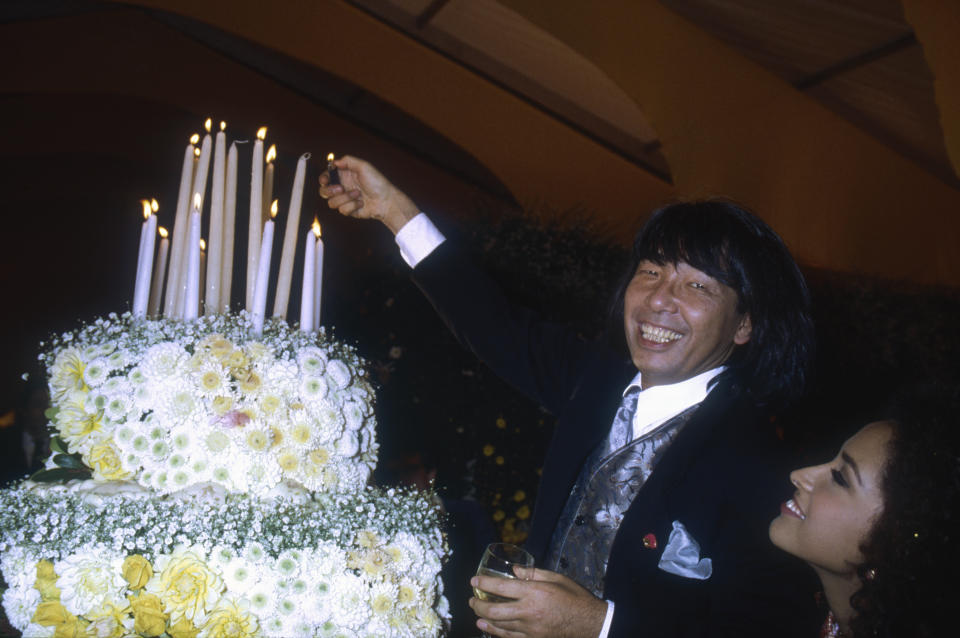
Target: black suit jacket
[723,477]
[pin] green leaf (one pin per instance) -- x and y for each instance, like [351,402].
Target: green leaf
[69,461]
[59,475]
[51,413]
[57,445]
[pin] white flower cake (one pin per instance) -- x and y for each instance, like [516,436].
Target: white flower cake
[226,494]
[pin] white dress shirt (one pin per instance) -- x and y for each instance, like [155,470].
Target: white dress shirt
[655,406]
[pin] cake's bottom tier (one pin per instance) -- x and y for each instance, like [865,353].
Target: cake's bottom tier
[364,564]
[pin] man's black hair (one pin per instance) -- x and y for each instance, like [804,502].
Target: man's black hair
[735,247]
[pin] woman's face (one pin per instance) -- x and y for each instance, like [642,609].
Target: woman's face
[835,504]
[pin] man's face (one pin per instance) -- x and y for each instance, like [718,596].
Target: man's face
[680,322]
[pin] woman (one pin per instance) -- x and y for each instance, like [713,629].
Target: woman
[879,524]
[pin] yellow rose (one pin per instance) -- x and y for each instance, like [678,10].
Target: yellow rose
[230,619]
[187,586]
[46,582]
[105,462]
[73,628]
[51,613]
[137,570]
[148,616]
[183,629]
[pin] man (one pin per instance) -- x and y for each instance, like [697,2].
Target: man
[661,477]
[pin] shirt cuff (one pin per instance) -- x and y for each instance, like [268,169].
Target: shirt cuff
[607,621]
[417,239]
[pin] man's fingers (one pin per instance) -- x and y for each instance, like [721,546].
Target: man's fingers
[533,573]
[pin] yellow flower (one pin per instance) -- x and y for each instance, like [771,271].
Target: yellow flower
[148,616]
[73,628]
[319,456]
[222,405]
[501,422]
[236,360]
[276,436]
[270,404]
[105,462]
[367,539]
[382,604]
[519,495]
[137,570]
[51,613]
[250,383]
[374,562]
[499,515]
[75,423]
[288,460]
[183,628]
[498,460]
[210,381]
[523,513]
[220,347]
[488,450]
[301,433]
[257,440]
[231,619]
[187,587]
[406,595]
[46,582]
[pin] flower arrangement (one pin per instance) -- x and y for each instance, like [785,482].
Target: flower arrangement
[219,565]
[173,404]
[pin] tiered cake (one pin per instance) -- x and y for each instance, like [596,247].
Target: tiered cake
[206,482]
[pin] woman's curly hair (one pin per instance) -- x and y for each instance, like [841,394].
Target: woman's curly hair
[912,554]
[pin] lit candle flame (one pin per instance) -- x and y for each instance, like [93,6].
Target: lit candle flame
[273,208]
[330,157]
[316,227]
[197,201]
[223,125]
[163,232]
[154,206]
[196,152]
[272,153]
[208,124]
[146,208]
[203,244]
[194,138]
[262,133]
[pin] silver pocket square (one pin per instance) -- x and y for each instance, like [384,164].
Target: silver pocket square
[681,556]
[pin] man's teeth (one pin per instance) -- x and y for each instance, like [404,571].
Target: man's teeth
[792,506]
[658,335]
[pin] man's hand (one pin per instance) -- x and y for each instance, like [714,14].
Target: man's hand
[366,194]
[545,605]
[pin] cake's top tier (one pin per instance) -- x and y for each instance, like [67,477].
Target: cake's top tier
[172,404]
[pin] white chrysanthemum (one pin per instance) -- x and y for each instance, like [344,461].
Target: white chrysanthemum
[211,381]
[329,421]
[39,631]
[144,397]
[254,554]
[383,597]
[115,360]
[350,608]
[313,389]
[117,408]
[353,414]
[263,598]
[282,374]
[221,556]
[20,603]
[239,576]
[312,361]
[163,360]
[338,373]
[288,564]
[95,373]
[277,627]
[117,387]
[19,569]
[89,579]
[349,445]
[136,377]
[216,442]
[257,474]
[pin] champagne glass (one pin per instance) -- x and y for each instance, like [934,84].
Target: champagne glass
[498,560]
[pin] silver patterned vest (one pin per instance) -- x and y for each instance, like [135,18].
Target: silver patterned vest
[609,481]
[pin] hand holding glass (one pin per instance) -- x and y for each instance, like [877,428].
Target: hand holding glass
[499,560]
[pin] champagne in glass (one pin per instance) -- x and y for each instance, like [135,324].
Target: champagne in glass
[498,561]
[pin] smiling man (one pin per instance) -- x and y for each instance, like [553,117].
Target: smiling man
[664,470]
